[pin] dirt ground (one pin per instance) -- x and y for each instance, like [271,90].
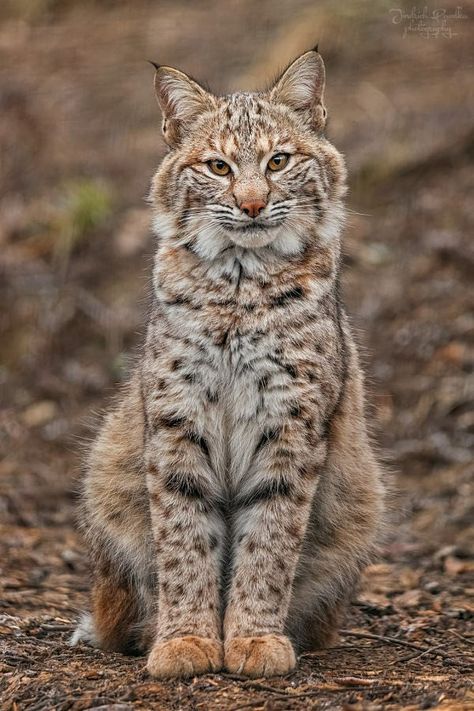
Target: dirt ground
[79,139]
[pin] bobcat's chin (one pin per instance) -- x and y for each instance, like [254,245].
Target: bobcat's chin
[253,237]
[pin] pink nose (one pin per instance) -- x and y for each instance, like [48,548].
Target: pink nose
[252,208]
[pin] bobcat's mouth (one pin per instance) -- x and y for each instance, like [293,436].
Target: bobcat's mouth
[252,227]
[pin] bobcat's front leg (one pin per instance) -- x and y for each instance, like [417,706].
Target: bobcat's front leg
[187,531]
[270,525]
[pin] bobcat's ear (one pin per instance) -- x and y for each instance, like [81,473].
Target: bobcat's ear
[181,100]
[301,86]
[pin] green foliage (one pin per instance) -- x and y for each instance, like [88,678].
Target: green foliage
[86,206]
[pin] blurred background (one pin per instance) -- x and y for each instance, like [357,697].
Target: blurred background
[79,142]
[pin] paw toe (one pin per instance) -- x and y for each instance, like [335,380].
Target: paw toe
[184,657]
[269,655]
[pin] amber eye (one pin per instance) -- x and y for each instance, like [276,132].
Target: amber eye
[278,161]
[219,167]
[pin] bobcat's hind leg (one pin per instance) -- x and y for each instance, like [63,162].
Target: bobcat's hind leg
[345,527]
[121,614]
[317,612]
[115,520]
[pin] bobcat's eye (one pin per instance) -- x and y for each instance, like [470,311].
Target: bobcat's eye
[219,167]
[278,161]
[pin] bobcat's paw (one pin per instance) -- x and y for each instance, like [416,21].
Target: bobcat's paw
[270,655]
[185,656]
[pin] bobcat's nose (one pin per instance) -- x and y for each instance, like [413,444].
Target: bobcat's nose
[252,208]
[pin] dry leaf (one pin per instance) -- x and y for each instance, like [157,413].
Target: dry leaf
[454,566]
[411,598]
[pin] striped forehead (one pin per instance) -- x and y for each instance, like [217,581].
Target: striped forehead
[247,128]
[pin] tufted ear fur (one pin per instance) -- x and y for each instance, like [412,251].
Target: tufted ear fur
[181,100]
[301,87]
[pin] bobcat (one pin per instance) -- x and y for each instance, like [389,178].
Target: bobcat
[232,496]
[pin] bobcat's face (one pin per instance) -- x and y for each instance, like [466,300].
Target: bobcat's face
[250,170]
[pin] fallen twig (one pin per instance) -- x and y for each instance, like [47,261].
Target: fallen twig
[400,642]
[353,681]
[340,685]
[411,657]
[468,640]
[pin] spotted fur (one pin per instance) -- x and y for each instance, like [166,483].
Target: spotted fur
[232,497]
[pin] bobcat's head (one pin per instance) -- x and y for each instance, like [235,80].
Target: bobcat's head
[252,170]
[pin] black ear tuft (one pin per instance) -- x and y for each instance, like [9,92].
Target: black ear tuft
[315,48]
[154,64]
